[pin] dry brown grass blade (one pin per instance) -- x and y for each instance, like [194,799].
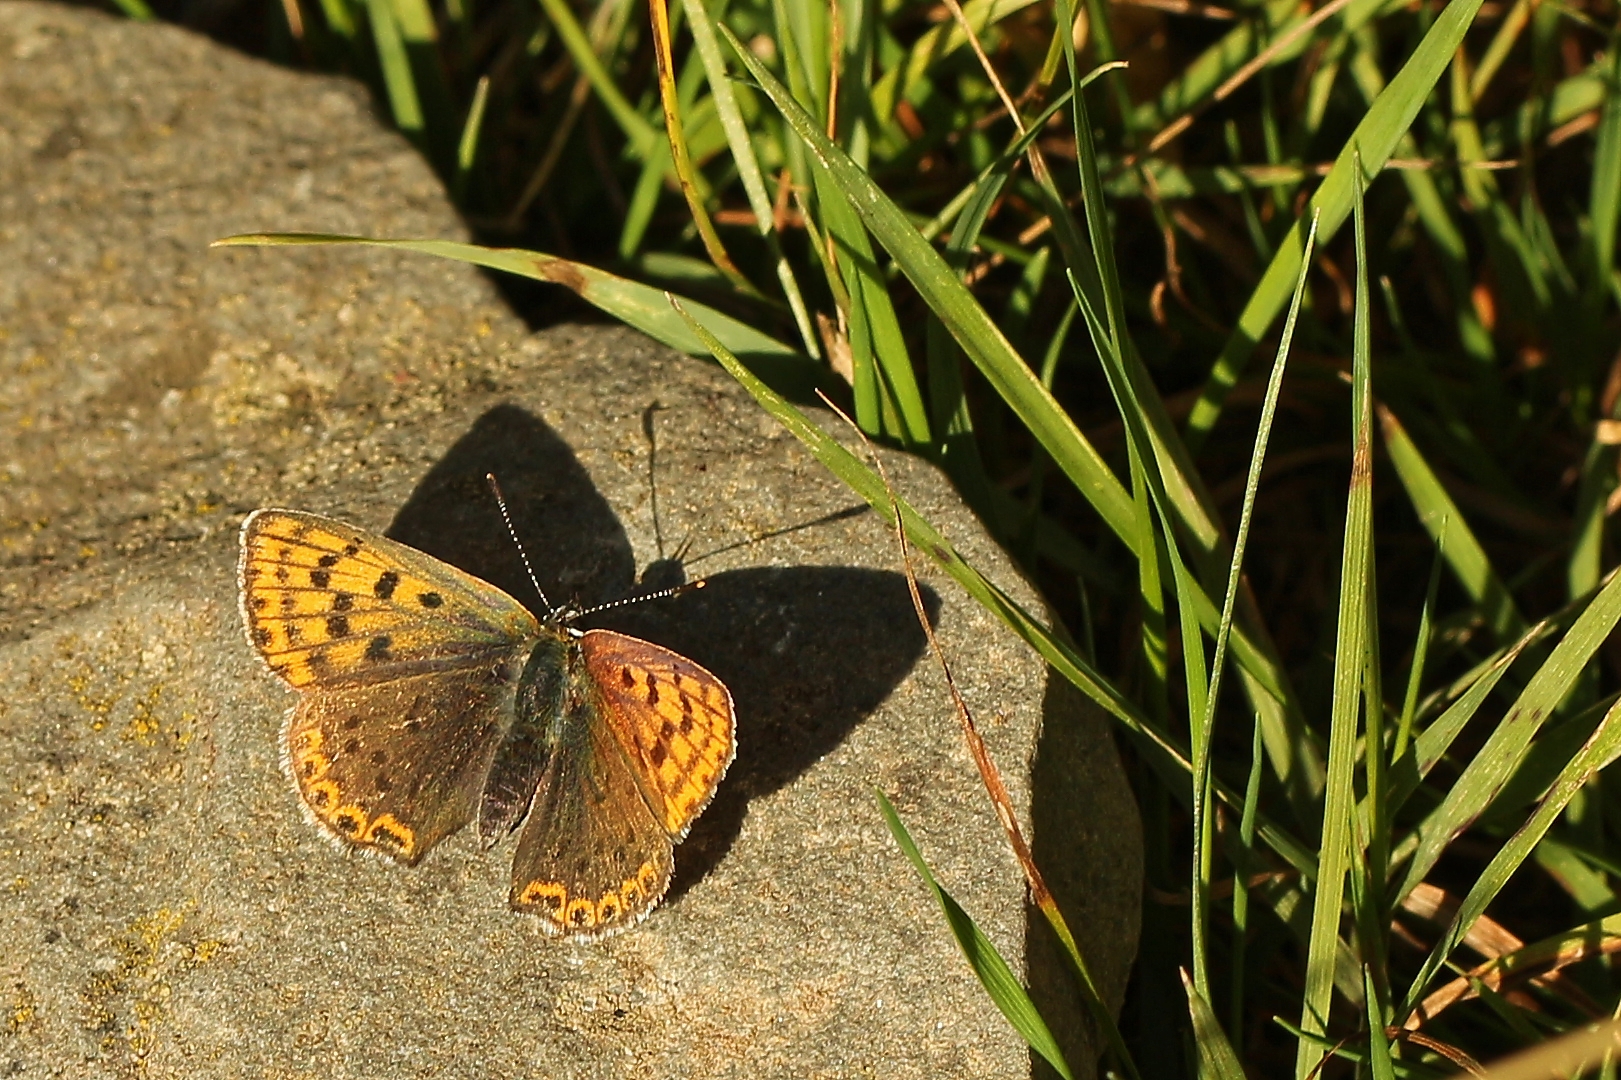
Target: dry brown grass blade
[989,773]
[990,776]
[985,63]
[1446,1050]
[1241,76]
[659,14]
[1510,962]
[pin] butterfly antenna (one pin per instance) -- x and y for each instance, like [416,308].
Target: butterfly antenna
[522,554]
[624,601]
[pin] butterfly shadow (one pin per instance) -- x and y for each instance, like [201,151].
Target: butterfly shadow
[807,651]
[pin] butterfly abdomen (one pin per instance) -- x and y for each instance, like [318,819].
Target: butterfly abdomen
[536,712]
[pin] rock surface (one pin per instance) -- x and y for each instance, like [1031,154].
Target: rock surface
[166,909]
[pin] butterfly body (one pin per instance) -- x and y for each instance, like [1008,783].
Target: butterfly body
[429,698]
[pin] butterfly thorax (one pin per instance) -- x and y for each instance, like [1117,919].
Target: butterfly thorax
[538,712]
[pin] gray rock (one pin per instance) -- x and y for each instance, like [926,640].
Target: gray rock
[166,909]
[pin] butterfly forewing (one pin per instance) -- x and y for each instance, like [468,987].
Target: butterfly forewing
[592,858]
[326,603]
[406,668]
[673,719]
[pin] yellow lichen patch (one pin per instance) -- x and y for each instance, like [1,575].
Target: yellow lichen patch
[24,1012]
[128,1003]
[117,680]
[98,705]
[144,726]
[387,833]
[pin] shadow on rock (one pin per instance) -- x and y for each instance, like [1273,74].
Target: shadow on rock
[1087,840]
[580,552]
[807,652]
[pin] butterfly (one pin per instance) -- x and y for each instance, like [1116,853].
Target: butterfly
[429,698]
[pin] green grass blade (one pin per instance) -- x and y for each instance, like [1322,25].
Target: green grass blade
[467,146]
[1449,528]
[1018,385]
[1505,748]
[1604,200]
[1102,270]
[1217,1061]
[1421,651]
[955,306]
[1408,770]
[1164,748]
[1379,1063]
[1207,701]
[1290,746]
[1374,138]
[1600,750]
[747,162]
[1350,662]
[875,329]
[136,9]
[993,972]
[419,40]
[398,79]
[638,130]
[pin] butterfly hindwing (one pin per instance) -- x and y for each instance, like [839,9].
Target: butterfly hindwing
[327,603]
[673,719]
[406,668]
[592,858]
[396,767]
